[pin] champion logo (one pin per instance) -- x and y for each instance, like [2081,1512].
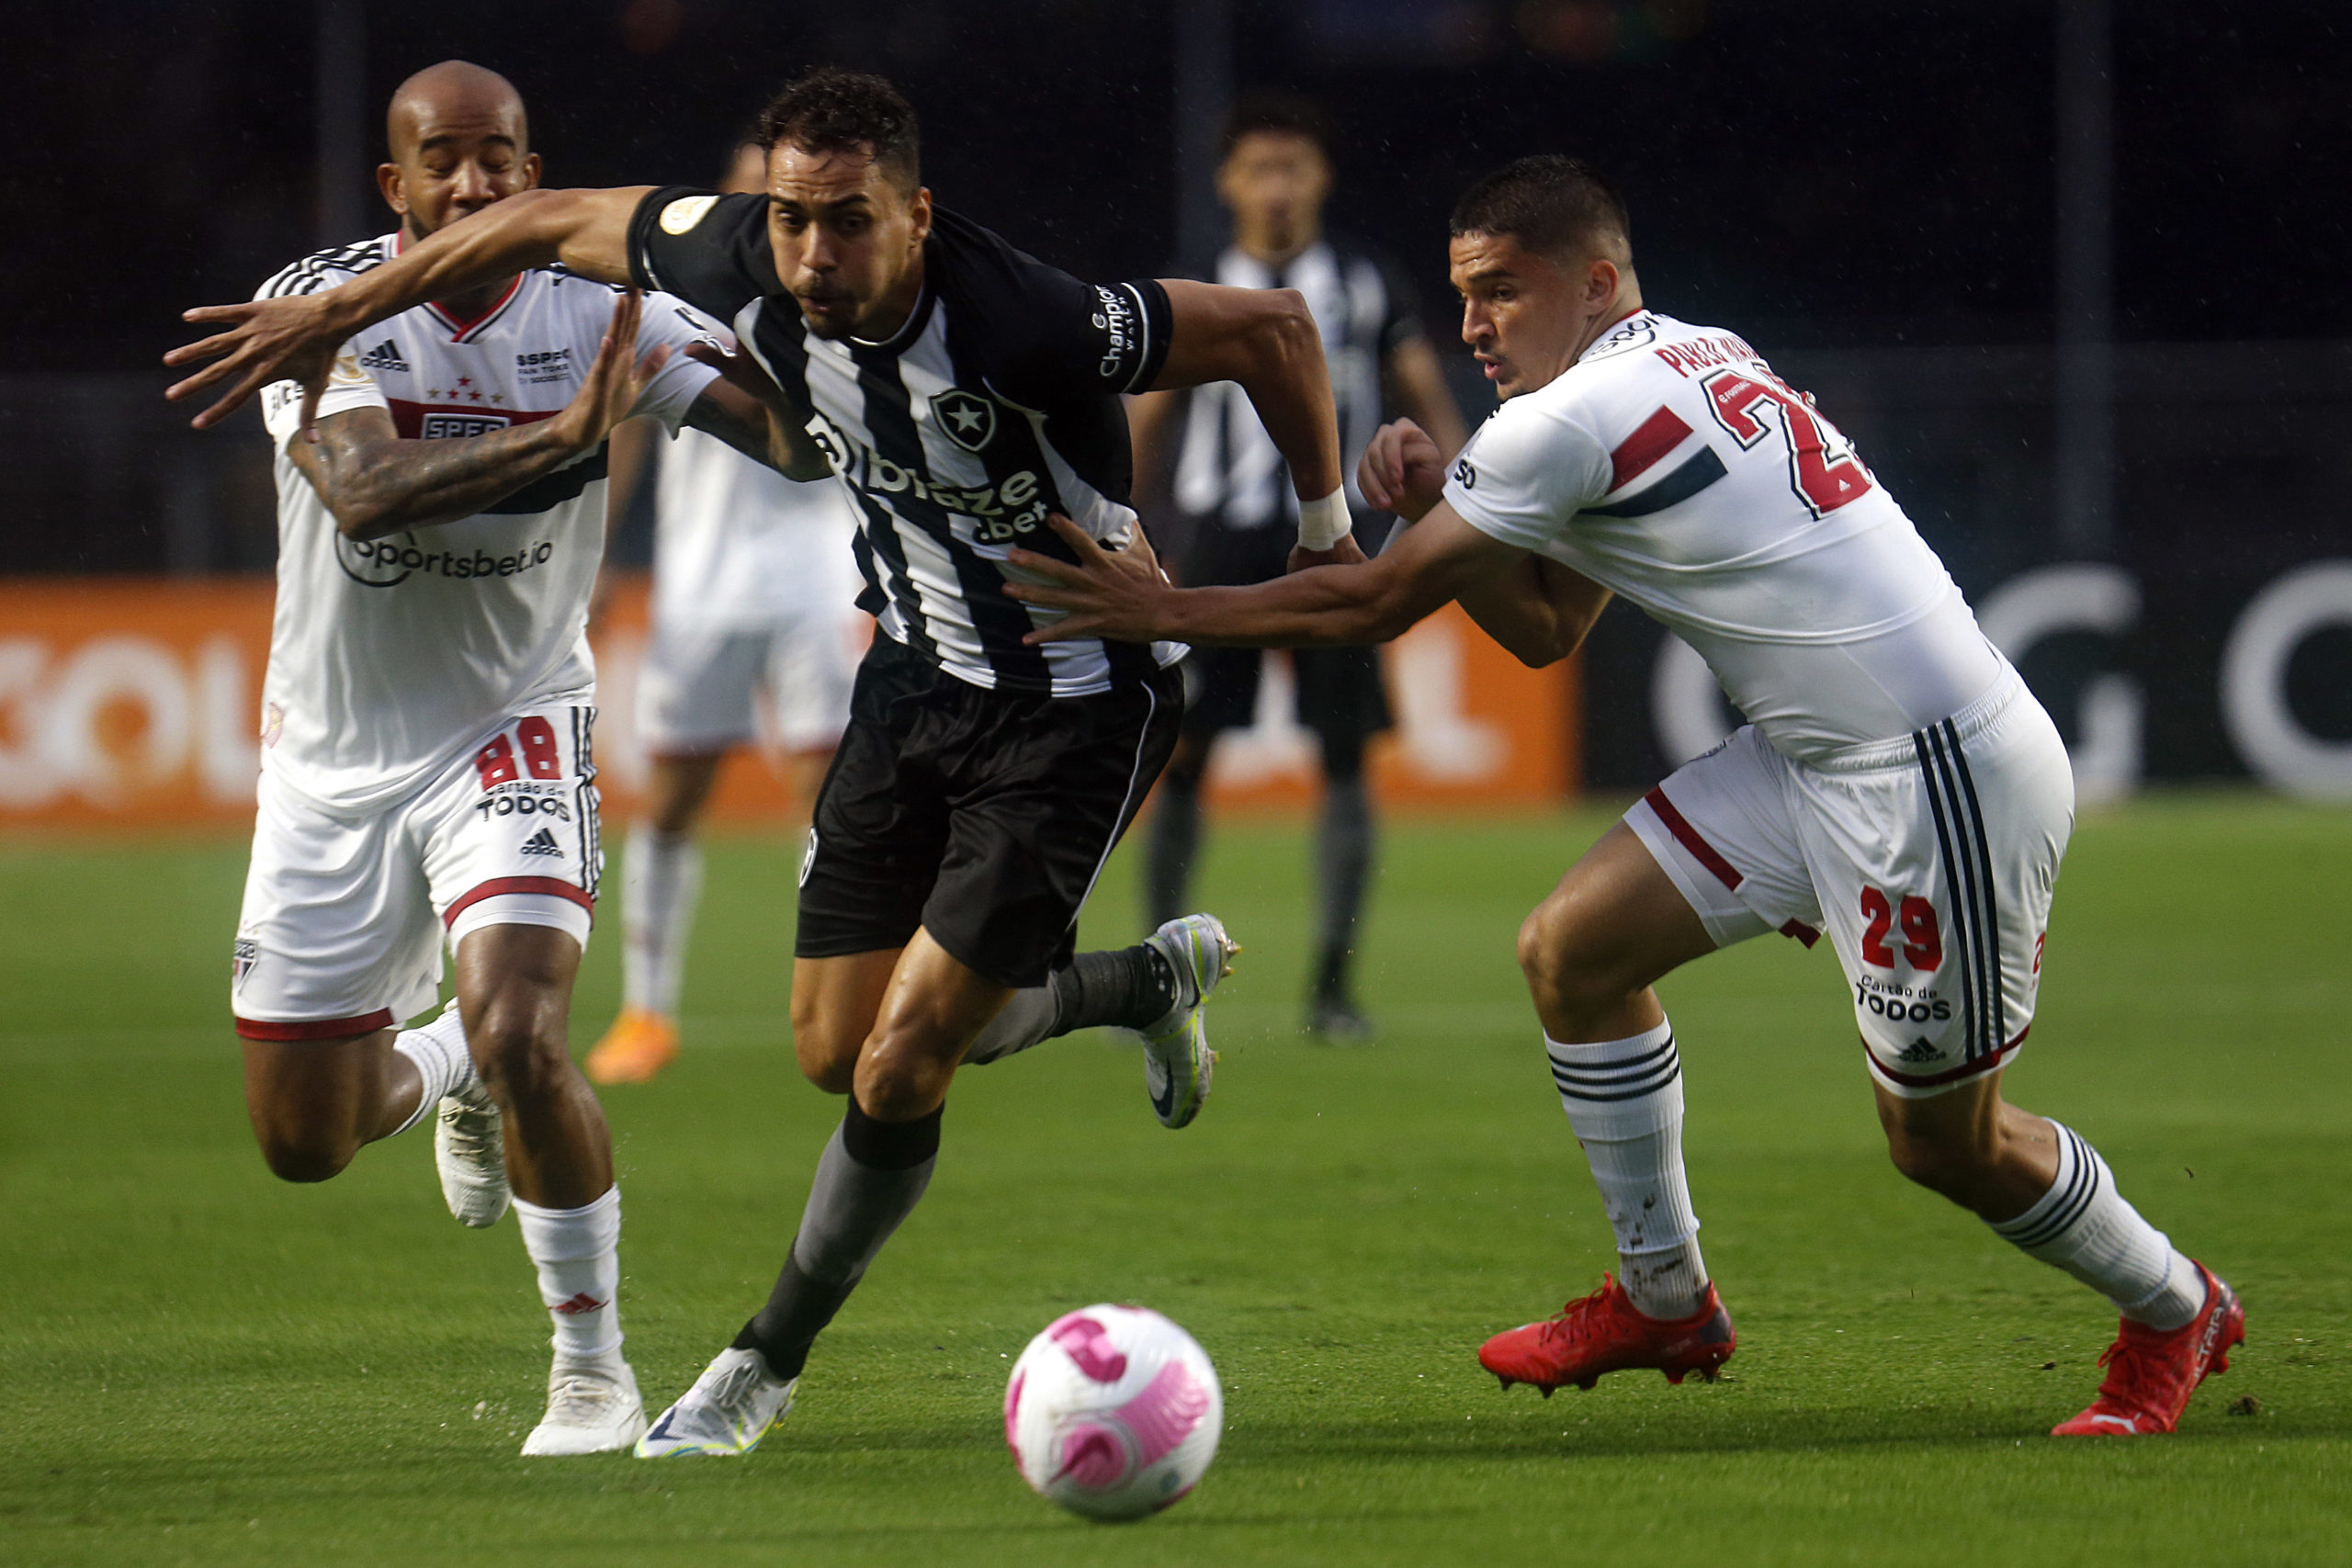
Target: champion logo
[384,355]
[542,843]
[581,1302]
[1920,1050]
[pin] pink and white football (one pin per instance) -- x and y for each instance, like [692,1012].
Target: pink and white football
[1113,1412]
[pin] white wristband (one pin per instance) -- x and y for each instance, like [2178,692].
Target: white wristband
[1323,524]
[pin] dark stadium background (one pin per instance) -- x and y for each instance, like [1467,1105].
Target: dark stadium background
[2071,272]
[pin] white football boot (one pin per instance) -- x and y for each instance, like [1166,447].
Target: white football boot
[1177,1061]
[469,1151]
[593,1408]
[727,1412]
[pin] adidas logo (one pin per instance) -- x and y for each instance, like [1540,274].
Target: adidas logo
[542,843]
[1917,1051]
[581,1302]
[384,355]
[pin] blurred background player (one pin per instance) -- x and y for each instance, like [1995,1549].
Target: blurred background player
[1235,516]
[426,765]
[754,601]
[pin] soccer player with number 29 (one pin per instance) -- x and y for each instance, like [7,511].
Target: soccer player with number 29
[1897,785]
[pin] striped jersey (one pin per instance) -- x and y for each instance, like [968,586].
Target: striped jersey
[996,402]
[1670,465]
[1227,469]
[391,657]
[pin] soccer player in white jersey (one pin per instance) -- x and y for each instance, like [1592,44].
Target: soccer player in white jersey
[426,772]
[1896,785]
[754,601]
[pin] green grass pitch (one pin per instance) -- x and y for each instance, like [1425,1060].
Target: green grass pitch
[200,1365]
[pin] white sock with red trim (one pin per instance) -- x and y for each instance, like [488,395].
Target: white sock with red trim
[2082,1225]
[442,1063]
[577,1253]
[661,881]
[1624,1103]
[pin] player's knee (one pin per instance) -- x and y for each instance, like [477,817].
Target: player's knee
[522,1056]
[827,1059]
[1566,979]
[899,1077]
[304,1153]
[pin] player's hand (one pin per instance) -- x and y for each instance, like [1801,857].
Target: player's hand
[1402,471]
[618,377]
[1347,552]
[1115,594]
[263,340]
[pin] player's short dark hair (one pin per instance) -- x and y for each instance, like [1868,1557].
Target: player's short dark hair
[1280,112]
[1548,203]
[833,110]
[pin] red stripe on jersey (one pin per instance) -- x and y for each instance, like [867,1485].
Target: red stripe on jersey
[314,1028]
[408,418]
[1659,434]
[497,885]
[1702,850]
[459,326]
[1966,1069]
[1801,931]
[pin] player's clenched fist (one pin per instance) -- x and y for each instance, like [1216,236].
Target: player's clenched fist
[1402,471]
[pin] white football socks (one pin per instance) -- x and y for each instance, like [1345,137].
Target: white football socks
[577,1253]
[1624,1103]
[660,882]
[2082,1225]
[442,1063]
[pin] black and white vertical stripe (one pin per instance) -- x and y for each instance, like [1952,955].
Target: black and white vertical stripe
[1644,1073]
[586,822]
[939,572]
[1229,467]
[325,269]
[1974,937]
[2081,1175]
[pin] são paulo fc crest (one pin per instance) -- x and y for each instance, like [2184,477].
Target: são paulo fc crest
[966,418]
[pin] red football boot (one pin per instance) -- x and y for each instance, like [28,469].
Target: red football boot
[1604,1333]
[2150,1372]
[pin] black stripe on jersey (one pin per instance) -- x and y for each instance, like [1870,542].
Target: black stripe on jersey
[1016,449]
[1963,916]
[310,275]
[1696,472]
[1988,905]
[877,537]
[999,622]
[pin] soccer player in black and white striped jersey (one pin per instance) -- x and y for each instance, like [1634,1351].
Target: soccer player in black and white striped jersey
[1235,515]
[963,392]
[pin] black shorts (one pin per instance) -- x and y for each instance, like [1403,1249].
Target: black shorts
[1340,692]
[980,817]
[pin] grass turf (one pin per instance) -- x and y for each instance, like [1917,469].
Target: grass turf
[201,1365]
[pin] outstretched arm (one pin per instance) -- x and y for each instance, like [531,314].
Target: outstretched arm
[1266,340]
[375,482]
[1123,596]
[296,337]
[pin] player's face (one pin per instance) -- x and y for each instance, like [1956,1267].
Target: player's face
[848,243]
[1523,314]
[1274,183]
[454,156]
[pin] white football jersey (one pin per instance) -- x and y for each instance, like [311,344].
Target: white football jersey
[738,546]
[389,657]
[1670,465]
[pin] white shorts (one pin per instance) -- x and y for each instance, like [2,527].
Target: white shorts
[344,917]
[699,687]
[1931,861]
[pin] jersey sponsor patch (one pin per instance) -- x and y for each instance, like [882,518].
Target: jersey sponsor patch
[685,212]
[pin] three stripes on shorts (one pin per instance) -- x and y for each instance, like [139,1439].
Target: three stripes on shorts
[1968,871]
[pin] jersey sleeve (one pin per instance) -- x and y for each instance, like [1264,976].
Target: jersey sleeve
[679,382]
[1526,474]
[1084,339]
[349,386]
[711,250]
